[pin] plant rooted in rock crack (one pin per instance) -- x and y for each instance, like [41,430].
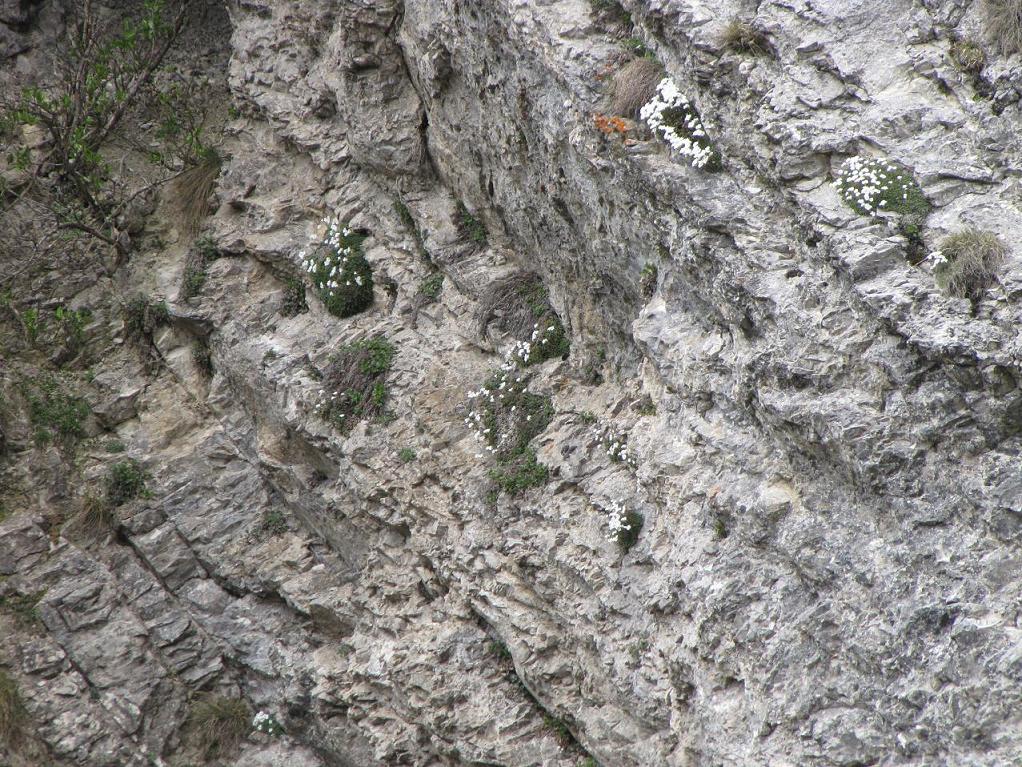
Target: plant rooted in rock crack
[354,384]
[967,261]
[338,268]
[522,308]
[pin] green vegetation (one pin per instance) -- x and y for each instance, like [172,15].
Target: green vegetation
[429,288]
[968,56]
[406,455]
[142,316]
[646,406]
[469,227]
[742,37]
[648,280]
[126,481]
[294,298]
[193,281]
[523,309]
[409,222]
[588,417]
[636,47]
[967,262]
[72,322]
[97,517]
[202,357]
[23,608]
[114,446]
[611,11]
[870,185]
[13,716]
[30,319]
[628,534]
[500,650]
[355,383]
[520,472]
[341,273]
[54,411]
[274,522]
[219,724]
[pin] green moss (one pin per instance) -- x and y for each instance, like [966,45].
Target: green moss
[648,280]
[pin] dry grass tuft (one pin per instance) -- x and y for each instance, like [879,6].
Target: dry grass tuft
[742,37]
[218,724]
[193,189]
[970,260]
[1004,24]
[634,85]
[96,518]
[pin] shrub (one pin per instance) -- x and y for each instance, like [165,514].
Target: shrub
[523,309]
[294,298]
[126,481]
[670,115]
[429,288]
[968,56]
[469,227]
[13,716]
[219,724]
[742,37]
[869,185]
[634,85]
[967,261]
[354,385]
[340,271]
[53,411]
[142,316]
[1004,24]
[648,280]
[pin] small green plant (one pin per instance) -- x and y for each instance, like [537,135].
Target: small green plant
[429,288]
[637,47]
[126,481]
[524,310]
[13,715]
[634,85]
[294,298]
[500,650]
[968,56]
[648,280]
[219,724]
[720,531]
[274,522]
[354,385]
[967,261]
[23,608]
[627,534]
[267,724]
[406,455]
[611,11]
[470,227]
[203,358]
[742,37]
[409,222]
[30,318]
[520,472]
[114,446]
[646,406]
[193,281]
[869,186]
[915,250]
[559,728]
[142,316]
[73,323]
[588,417]
[54,411]
[339,270]
[1004,24]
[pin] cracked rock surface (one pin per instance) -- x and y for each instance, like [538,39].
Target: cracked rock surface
[823,446]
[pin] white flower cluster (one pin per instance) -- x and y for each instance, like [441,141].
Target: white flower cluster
[617,447]
[338,269]
[534,350]
[617,520]
[267,724]
[670,115]
[492,397]
[871,185]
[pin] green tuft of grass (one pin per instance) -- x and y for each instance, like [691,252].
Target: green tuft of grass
[429,288]
[97,517]
[274,522]
[125,482]
[406,455]
[219,724]
[470,227]
[53,411]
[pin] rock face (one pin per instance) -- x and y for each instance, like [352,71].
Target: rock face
[823,446]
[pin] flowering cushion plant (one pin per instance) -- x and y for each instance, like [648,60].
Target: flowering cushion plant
[339,270]
[671,116]
[869,186]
